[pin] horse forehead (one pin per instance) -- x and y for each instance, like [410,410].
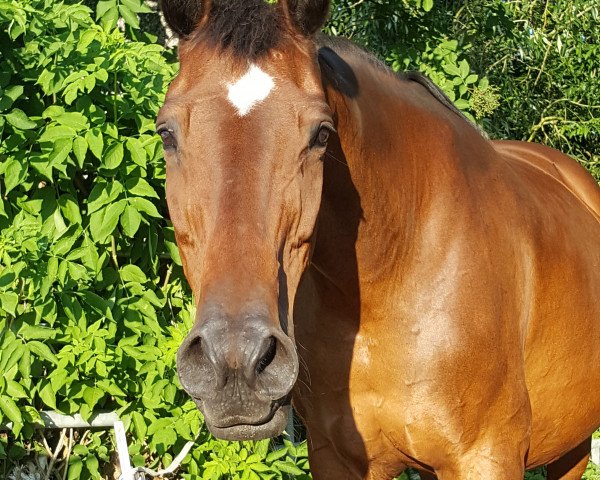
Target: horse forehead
[250,90]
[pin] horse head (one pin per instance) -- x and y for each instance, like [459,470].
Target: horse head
[244,126]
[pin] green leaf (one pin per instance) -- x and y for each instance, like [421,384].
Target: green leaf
[104,221]
[132,273]
[129,17]
[10,409]
[75,468]
[11,355]
[92,395]
[72,90]
[55,132]
[256,465]
[15,389]
[25,364]
[9,301]
[137,151]
[18,119]
[139,425]
[46,80]
[144,206]
[91,463]
[165,436]
[66,241]
[13,174]
[276,455]
[462,104]
[427,5]
[99,304]
[80,449]
[11,94]
[102,194]
[60,151]
[80,147]
[52,268]
[113,156]
[130,221]
[75,120]
[103,6]
[171,245]
[111,388]
[136,6]
[89,83]
[70,208]
[451,69]
[35,332]
[140,187]
[95,140]
[42,350]
[101,75]
[471,79]
[58,378]
[109,19]
[48,396]
[288,467]
[464,69]
[87,37]
[261,448]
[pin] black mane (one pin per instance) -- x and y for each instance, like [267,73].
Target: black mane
[248,28]
[341,45]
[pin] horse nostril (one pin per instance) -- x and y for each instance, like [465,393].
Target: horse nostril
[195,347]
[199,367]
[267,357]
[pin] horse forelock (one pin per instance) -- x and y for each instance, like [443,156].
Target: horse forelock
[246,28]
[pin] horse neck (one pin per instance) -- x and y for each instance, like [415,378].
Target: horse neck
[393,152]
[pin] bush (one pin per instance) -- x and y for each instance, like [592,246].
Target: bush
[93,302]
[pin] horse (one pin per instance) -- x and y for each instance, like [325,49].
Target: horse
[423,296]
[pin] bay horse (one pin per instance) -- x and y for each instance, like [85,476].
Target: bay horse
[423,296]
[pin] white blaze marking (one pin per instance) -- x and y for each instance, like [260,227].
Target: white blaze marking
[250,89]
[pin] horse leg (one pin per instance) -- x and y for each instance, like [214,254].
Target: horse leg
[572,465]
[485,462]
[343,462]
[326,464]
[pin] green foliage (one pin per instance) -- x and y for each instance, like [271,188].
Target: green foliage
[251,460]
[108,12]
[542,60]
[94,305]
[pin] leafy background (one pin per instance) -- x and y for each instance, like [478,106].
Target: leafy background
[93,301]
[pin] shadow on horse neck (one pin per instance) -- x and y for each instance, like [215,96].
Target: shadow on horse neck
[332,282]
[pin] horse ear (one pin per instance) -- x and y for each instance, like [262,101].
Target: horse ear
[183,16]
[306,16]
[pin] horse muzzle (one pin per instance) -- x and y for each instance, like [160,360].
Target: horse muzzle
[239,371]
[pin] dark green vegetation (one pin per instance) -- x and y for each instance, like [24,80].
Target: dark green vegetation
[93,301]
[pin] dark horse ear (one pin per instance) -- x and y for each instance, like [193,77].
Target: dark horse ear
[306,16]
[183,16]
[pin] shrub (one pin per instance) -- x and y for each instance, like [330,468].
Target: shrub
[93,303]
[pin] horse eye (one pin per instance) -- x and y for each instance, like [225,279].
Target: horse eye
[322,136]
[168,139]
